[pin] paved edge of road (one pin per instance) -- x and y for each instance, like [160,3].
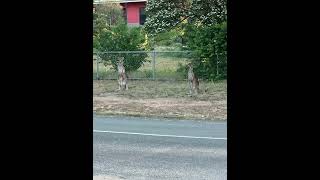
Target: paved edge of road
[106,177]
[156,116]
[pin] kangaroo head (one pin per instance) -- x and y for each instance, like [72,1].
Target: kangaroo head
[120,61]
[190,66]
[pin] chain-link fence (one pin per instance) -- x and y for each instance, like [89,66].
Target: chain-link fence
[144,65]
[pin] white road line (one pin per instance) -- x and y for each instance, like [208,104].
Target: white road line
[159,135]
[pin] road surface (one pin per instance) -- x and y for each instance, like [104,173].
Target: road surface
[138,148]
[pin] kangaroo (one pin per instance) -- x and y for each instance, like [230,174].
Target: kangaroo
[193,81]
[122,76]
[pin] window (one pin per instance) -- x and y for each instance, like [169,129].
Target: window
[142,16]
[125,14]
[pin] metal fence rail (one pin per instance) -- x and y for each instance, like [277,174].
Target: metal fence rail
[160,65]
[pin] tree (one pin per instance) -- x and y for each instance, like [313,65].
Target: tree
[105,16]
[163,15]
[209,44]
[203,23]
[108,13]
[123,38]
[110,33]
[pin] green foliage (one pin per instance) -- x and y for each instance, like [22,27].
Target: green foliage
[182,69]
[208,12]
[123,38]
[164,15]
[167,38]
[105,16]
[210,46]
[200,24]
[148,73]
[110,33]
[108,14]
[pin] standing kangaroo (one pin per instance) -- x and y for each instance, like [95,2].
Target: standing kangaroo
[192,80]
[122,76]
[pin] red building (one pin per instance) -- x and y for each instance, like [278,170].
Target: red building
[134,11]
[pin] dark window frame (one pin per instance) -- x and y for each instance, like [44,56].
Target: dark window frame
[142,15]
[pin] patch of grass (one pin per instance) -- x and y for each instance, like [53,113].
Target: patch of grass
[159,116]
[165,68]
[211,91]
[161,99]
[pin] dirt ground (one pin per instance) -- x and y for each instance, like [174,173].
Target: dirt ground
[161,99]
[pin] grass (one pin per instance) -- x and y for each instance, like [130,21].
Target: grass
[169,98]
[165,68]
[163,89]
[161,99]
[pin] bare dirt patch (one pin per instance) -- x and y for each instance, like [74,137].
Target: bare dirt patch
[161,99]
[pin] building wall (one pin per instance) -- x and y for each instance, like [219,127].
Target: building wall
[133,12]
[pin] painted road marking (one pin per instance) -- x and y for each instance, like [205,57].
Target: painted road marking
[159,135]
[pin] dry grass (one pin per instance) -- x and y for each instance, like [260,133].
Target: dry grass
[161,89]
[163,99]
[165,68]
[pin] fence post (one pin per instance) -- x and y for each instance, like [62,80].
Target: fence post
[153,65]
[217,65]
[97,68]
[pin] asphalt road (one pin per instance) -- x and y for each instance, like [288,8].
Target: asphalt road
[147,148]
